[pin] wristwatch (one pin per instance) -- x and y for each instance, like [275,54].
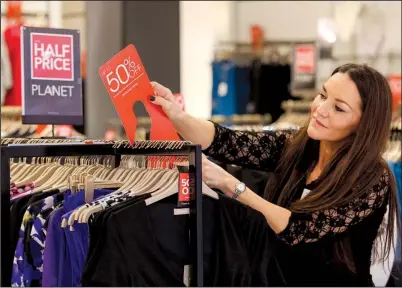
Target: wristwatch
[240,188]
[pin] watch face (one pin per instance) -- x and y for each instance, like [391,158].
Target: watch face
[241,186]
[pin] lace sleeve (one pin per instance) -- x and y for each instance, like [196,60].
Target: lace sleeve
[312,227]
[255,150]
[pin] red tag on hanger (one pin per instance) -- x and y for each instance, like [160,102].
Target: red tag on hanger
[127,82]
[184,189]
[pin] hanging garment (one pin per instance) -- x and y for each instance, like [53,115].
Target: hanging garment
[396,273]
[224,99]
[13,40]
[237,250]
[56,263]
[242,89]
[254,77]
[274,81]
[27,263]
[6,71]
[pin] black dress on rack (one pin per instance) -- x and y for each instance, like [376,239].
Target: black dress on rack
[138,245]
[269,87]
[308,244]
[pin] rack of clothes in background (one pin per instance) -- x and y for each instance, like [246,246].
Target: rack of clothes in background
[296,113]
[93,213]
[252,82]
[115,131]
[63,175]
[249,122]
[12,127]
[393,157]
[11,123]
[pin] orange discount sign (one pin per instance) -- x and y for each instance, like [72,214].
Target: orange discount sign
[127,82]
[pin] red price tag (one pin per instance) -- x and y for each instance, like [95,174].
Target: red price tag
[127,82]
[184,187]
[305,59]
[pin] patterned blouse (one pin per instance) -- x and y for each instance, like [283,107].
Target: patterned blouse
[261,151]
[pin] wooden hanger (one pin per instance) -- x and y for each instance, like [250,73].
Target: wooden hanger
[33,175]
[61,181]
[169,177]
[173,189]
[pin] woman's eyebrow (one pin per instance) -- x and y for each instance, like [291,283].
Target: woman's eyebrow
[340,100]
[337,99]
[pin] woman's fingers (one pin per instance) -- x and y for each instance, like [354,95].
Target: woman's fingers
[162,91]
[158,100]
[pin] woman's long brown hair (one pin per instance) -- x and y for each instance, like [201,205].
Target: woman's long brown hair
[355,168]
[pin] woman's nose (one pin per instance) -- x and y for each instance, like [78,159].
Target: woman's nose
[322,110]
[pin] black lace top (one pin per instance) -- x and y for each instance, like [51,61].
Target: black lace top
[313,235]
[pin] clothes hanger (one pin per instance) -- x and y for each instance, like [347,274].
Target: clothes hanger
[173,190]
[21,171]
[47,174]
[137,177]
[60,182]
[146,179]
[151,185]
[132,178]
[171,176]
[89,188]
[83,214]
[75,215]
[56,178]
[33,175]
[73,177]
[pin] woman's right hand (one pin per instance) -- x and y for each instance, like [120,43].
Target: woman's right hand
[198,131]
[164,98]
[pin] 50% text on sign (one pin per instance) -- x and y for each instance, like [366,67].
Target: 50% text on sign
[122,76]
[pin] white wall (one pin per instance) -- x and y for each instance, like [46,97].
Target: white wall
[202,25]
[281,20]
[74,17]
[61,14]
[41,8]
[297,20]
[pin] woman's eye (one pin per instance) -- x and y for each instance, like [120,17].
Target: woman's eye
[338,109]
[322,96]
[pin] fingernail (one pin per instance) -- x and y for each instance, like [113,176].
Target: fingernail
[152,98]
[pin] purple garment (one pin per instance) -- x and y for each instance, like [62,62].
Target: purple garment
[56,259]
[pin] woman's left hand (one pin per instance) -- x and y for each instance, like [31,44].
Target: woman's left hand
[216,177]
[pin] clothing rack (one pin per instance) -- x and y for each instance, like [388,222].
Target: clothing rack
[48,148]
[270,50]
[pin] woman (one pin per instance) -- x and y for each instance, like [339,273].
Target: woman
[331,186]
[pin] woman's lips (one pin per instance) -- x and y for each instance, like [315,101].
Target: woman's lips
[319,123]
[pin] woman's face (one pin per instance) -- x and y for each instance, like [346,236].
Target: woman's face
[336,111]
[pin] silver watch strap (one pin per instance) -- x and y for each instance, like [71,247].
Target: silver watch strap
[238,192]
